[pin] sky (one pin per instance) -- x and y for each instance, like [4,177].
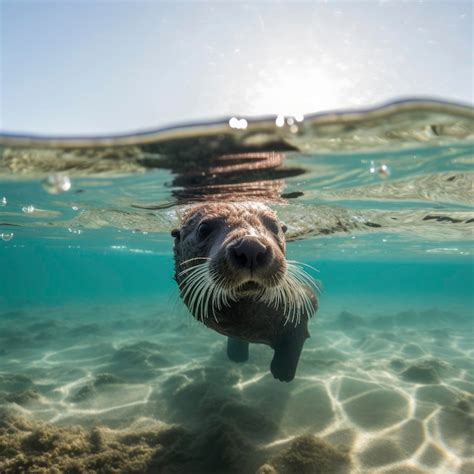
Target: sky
[79,67]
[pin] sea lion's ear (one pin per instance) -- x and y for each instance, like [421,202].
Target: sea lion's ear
[284,228]
[176,233]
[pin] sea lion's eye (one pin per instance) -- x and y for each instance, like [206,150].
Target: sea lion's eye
[272,225]
[284,228]
[204,229]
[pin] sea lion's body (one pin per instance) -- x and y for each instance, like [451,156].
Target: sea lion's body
[242,252]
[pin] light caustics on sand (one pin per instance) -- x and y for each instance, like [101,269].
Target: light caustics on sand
[399,392]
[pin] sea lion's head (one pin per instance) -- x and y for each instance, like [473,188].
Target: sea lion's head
[228,251]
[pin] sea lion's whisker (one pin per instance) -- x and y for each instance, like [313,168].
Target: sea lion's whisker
[308,279]
[297,262]
[195,268]
[191,291]
[229,295]
[194,291]
[295,299]
[303,276]
[204,291]
[194,297]
[204,300]
[223,293]
[187,284]
[192,259]
[215,292]
[190,279]
[209,297]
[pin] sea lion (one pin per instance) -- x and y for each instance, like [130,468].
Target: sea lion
[233,275]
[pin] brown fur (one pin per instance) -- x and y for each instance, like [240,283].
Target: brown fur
[246,319]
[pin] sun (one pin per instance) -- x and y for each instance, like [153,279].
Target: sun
[295,92]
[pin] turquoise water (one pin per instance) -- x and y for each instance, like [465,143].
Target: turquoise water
[102,367]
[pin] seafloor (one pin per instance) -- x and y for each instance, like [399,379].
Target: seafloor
[140,388]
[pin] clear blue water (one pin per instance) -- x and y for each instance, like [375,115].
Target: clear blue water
[93,333]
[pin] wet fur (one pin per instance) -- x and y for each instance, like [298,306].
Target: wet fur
[245,318]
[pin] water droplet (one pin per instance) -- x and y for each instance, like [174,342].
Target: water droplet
[57,183]
[294,128]
[28,209]
[3,202]
[384,171]
[7,236]
[290,120]
[240,124]
[280,121]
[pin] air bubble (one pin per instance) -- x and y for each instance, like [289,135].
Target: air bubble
[240,124]
[28,209]
[383,170]
[57,183]
[7,236]
[3,201]
[280,121]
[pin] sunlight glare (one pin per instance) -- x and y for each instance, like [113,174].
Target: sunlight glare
[294,92]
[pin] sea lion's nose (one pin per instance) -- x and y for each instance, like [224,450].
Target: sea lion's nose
[249,253]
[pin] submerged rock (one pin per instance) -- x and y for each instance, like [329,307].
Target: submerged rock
[23,397]
[413,350]
[91,388]
[464,405]
[140,354]
[397,364]
[215,447]
[14,382]
[309,455]
[27,446]
[426,371]
[456,428]
[348,321]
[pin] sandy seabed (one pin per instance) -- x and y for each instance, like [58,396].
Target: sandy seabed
[138,390]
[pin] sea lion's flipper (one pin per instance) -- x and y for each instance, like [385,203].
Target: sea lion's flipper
[237,350]
[287,353]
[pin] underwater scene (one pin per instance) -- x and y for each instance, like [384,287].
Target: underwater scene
[103,369]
